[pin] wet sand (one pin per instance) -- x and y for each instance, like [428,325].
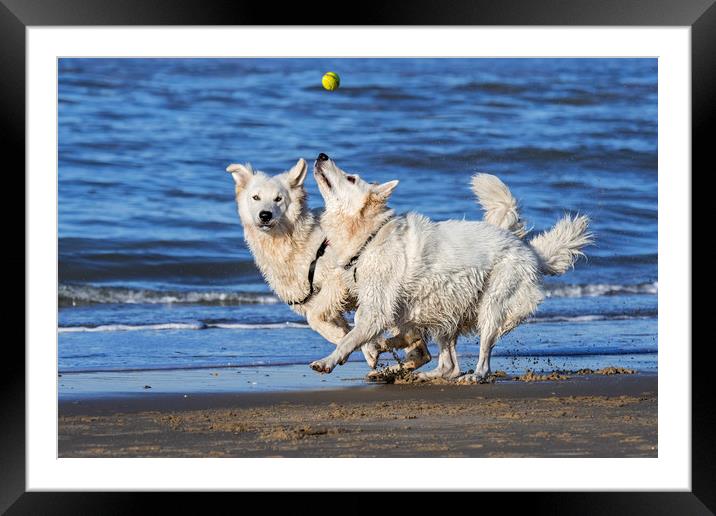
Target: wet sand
[584,416]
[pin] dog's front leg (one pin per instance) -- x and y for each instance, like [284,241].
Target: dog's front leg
[333,331]
[337,328]
[365,329]
[352,341]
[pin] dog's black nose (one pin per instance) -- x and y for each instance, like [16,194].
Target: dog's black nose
[265,216]
[322,157]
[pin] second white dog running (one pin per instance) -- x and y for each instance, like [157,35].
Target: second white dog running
[439,279]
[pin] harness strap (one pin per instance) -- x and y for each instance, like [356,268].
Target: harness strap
[353,261]
[311,273]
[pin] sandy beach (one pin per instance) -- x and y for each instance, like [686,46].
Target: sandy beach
[584,416]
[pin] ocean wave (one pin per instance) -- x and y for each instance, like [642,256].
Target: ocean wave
[264,326]
[77,295]
[590,317]
[572,352]
[88,260]
[129,327]
[600,289]
[179,326]
[202,325]
[74,295]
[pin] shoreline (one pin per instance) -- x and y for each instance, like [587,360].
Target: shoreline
[297,377]
[585,416]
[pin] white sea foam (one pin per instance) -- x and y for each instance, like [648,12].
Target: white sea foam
[295,325]
[600,289]
[130,327]
[268,326]
[73,295]
[587,318]
[180,326]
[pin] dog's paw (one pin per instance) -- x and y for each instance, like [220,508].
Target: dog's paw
[374,375]
[321,366]
[424,377]
[471,379]
[467,379]
[371,352]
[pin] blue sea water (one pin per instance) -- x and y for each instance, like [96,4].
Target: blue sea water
[154,274]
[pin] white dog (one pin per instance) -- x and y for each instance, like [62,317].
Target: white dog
[439,280]
[292,253]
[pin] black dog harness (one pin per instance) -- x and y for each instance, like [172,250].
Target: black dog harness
[311,273]
[352,262]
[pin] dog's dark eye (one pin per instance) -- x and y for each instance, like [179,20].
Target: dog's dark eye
[256,198]
[351,179]
[278,199]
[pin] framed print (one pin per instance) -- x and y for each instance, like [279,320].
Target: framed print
[434,240]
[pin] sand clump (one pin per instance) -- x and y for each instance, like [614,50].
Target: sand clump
[244,422]
[392,375]
[401,376]
[405,377]
[531,376]
[296,433]
[558,375]
[613,370]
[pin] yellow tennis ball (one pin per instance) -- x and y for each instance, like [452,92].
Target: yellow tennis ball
[331,81]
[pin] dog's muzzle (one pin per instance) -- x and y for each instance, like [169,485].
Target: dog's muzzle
[266,220]
[318,168]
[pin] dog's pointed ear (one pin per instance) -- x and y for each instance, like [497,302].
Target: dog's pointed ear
[297,175]
[382,192]
[241,174]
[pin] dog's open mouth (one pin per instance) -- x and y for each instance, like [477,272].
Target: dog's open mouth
[266,225]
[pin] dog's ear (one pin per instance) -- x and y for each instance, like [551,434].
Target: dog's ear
[241,174]
[297,175]
[382,192]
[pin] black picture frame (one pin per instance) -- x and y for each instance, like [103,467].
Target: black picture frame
[17,15]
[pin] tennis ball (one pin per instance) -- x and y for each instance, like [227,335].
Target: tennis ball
[331,81]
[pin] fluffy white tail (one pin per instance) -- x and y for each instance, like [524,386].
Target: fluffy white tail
[560,247]
[499,205]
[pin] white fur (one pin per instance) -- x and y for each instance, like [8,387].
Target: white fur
[437,279]
[500,207]
[284,248]
[560,247]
